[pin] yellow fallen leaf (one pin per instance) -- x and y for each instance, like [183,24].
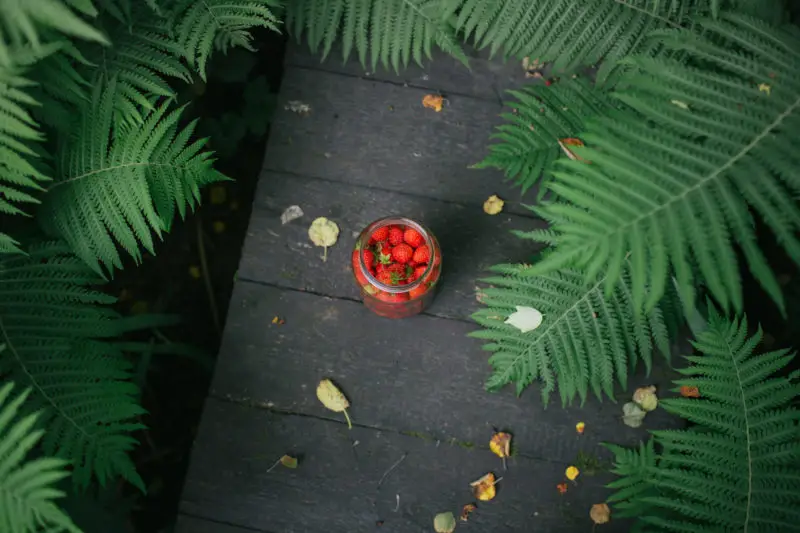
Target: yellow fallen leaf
[645,397]
[493,205]
[580,427]
[323,232]
[333,399]
[764,88]
[219,227]
[444,523]
[571,473]
[501,445]
[600,513]
[288,461]
[466,511]
[218,195]
[433,101]
[194,271]
[484,488]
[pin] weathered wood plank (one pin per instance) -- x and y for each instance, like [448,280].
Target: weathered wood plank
[484,78]
[340,487]
[378,134]
[191,524]
[282,255]
[421,374]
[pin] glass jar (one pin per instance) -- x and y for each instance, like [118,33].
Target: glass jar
[397,263]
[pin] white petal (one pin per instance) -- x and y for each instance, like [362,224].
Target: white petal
[525,319]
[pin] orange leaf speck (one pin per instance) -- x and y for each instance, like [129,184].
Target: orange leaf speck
[433,101]
[466,511]
[562,488]
[690,392]
[580,427]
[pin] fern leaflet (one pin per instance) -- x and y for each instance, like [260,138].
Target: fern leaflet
[736,468]
[674,176]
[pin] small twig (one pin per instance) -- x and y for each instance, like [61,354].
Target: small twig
[498,480]
[206,276]
[403,458]
[397,507]
[273,466]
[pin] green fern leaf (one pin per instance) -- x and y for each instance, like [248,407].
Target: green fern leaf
[736,468]
[391,32]
[118,188]
[201,26]
[528,142]
[585,342]
[27,494]
[21,22]
[674,177]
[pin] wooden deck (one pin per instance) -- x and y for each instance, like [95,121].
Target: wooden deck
[422,419]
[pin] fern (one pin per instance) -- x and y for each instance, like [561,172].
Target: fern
[393,32]
[201,25]
[51,323]
[27,495]
[118,188]
[585,340]
[738,467]
[540,118]
[672,178]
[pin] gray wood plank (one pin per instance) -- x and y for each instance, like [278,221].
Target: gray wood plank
[337,486]
[282,255]
[377,134]
[191,524]
[485,78]
[421,375]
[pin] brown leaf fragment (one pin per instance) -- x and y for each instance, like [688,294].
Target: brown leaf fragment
[562,488]
[600,513]
[501,445]
[484,488]
[433,101]
[690,392]
[571,141]
[466,511]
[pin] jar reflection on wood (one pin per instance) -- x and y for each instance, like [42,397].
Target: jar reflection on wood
[397,263]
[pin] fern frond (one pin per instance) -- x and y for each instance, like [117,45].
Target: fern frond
[737,468]
[673,178]
[27,493]
[52,323]
[200,26]
[119,188]
[391,32]
[585,340]
[22,21]
[528,142]
[569,34]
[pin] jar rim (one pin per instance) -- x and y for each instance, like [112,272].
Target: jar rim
[367,232]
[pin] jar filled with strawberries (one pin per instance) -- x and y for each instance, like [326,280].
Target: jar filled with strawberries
[397,262]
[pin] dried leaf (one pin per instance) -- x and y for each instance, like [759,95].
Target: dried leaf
[600,513]
[525,319]
[493,205]
[679,103]
[764,88]
[323,232]
[500,444]
[646,398]
[484,488]
[562,488]
[572,472]
[571,141]
[466,511]
[444,523]
[333,399]
[288,461]
[292,212]
[433,101]
[580,427]
[690,392]
[632,415]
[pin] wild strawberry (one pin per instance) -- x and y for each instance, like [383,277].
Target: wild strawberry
[413,238]
[395,236]
[422,254]
[384,252]
[416,292]
[380,234]
[402,253]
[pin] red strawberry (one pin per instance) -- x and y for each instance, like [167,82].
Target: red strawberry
[395,236]
[413,238]
[392,298]
[422,254]
[380,234]
[369,258]
[412,263]
[419,271]
[402,253]
[416,292]
[386,277]
[384,252]
[361,278]
[382,267]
